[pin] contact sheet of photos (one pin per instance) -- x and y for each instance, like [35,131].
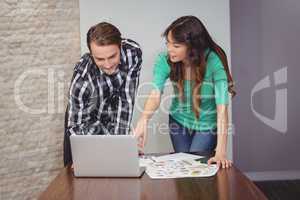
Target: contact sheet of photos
[178,168]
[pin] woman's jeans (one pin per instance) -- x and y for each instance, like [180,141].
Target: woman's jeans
[187,140]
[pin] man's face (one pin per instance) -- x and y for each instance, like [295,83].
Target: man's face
[106,57]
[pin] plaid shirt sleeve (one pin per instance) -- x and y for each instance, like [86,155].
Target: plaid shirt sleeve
[133,55]
[79,97]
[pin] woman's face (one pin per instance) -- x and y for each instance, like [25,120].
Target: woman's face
[177,51]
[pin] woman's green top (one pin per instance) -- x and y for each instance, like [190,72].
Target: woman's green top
[214,91]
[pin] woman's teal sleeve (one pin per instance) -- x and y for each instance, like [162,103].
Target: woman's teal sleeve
[220,83]
[161,72]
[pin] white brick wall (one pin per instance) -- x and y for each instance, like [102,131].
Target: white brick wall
[39,42]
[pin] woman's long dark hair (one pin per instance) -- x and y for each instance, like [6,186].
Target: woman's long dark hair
[189,30]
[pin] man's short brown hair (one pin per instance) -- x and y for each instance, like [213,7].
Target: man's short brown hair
[103,34]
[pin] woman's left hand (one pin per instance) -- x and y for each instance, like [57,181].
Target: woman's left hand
[221,161]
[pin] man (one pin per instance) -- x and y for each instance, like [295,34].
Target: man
[103,87]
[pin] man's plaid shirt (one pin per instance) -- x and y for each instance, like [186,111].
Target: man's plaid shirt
[100,103]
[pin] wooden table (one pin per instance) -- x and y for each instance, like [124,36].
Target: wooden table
[227,184]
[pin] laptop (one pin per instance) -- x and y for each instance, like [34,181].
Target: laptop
[105,156]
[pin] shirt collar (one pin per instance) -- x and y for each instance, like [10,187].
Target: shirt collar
[104,73]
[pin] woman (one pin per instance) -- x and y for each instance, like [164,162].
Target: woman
[198,70]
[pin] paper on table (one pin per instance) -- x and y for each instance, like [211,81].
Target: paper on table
[177,156]
[180,169]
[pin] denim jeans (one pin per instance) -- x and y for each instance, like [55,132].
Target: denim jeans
[187,140]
